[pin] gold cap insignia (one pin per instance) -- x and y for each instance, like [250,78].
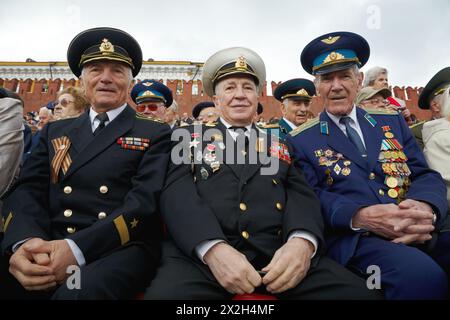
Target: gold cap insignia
[302,92]
[241,63]
[330,39]
[333,56]
[106,46]
[147,93]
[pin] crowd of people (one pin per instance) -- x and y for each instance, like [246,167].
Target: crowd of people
[220,202]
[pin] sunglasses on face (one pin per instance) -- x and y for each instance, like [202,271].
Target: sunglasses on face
[149,106]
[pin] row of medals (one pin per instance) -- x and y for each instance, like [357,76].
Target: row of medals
[393,163]
[328,158]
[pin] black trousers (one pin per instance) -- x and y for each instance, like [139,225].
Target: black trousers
[180,278]
[119,275]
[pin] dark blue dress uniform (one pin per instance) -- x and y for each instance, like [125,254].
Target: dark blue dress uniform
[348,176]
[100,191]
[346,182]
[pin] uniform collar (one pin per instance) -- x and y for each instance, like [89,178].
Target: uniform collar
[112,114]
[293,126]
[336,119]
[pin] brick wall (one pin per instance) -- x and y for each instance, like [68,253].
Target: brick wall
[37,93]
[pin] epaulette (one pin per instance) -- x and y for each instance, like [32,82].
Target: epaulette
[211,124]
[305,126]
[143,117]
[270,126]
[382,112]
[417,124]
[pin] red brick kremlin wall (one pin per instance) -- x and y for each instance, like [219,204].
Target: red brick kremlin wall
[37,93]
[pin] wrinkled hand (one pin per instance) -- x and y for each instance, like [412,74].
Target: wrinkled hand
[60,254]
[232,269]
[392,221]
[289,265]
[415,230]
[31,269]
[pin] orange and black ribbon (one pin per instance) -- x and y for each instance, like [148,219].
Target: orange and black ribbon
[62,159]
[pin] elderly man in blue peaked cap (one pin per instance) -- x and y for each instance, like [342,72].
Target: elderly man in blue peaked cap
[371,178]
[151,98]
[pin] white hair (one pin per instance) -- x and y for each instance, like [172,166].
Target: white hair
[445,103]
[174,107]
[372,74]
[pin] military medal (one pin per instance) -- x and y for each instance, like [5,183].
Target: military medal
[391,182]
[194,143]
[393,193]
[260,145]
[204,173]
[215,165]
[337,169]
[346,171]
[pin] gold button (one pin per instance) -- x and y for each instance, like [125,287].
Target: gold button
[67,213]
[274,182]
[242,206]
[279,206]
[103,189]
[372,176]
[381,192]
[279,232]
[71,229]
[245,235]
[102,215]
[67,189]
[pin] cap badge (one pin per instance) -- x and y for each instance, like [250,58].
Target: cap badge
[330,39]
[241,63]
[106,46]
[333,56]
[147,84]
[302,92]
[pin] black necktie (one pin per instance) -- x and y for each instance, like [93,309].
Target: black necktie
[354,136]
[102,117]
[241,137]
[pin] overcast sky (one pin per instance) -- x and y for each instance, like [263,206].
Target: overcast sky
[410,38]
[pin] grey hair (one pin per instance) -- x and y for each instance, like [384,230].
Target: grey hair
[372,74]
[354,68]
[45,110]
[174,107]
[445,103]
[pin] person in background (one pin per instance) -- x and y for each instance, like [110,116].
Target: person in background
[430,99]
[151,98]
[377,78]
[71,102]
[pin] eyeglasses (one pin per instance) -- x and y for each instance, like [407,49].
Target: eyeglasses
[149,106]
[63,102]
[377,101]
